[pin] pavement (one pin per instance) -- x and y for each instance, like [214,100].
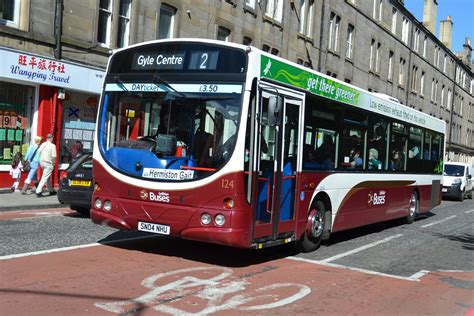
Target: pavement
[15,201]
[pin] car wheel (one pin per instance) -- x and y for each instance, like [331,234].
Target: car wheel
[461,196]
[81,210]
[315,228]
[413,207]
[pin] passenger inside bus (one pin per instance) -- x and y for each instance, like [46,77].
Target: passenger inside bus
[396,163]
[356,160]
[374,163]
[324,155]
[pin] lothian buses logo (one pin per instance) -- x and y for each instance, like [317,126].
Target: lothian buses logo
[376,198]
[163,197]
[144,195]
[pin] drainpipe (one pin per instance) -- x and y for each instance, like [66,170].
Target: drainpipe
[58,28]
[453,95]
[320,54]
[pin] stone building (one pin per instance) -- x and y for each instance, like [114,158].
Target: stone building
[54,53]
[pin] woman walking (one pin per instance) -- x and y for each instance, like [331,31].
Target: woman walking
[32,156]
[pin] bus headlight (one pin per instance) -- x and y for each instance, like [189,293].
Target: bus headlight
[98,204]
[219,219]
[205,218]
[107,206]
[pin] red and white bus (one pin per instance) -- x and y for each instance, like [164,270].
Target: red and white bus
[224,143]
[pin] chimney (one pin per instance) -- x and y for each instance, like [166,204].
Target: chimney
[430,10]
[446,32]
[467,51]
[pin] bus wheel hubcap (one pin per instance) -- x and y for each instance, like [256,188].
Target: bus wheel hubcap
[413,204]
[315,223]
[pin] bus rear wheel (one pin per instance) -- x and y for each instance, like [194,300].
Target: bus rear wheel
[313,234]
[413,208]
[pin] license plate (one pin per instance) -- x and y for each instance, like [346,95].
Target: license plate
[444,190]
[154,228]
[81,183]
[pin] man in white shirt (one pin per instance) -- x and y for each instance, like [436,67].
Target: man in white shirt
[47,161]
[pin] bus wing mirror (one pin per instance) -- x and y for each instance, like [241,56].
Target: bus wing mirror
[274,110]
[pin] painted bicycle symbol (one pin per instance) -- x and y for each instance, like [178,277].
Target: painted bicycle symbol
[182,292]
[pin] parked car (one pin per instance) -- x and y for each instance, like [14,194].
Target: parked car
[457,180]
[76,185]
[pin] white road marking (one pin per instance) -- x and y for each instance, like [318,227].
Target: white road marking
[419,274]
[217,290]
[467,212]
[47,251]
[348,253]
[333,265]
[440,221]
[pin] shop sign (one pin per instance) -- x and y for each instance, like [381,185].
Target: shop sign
[25,67]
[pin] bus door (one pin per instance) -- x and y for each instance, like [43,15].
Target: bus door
[276,152]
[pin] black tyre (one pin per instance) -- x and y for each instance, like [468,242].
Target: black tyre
[413,208]
[81,210]
[461,196]
[315,228]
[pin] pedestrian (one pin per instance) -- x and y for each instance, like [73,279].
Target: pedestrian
[15,170]
[32,156]
[48,157]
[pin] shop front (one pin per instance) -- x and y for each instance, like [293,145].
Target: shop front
[39,95]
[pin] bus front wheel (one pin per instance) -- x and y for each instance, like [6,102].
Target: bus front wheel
[314,230]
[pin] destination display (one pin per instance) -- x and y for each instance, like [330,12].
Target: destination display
[178,57]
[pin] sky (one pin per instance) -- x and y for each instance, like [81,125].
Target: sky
[461,12]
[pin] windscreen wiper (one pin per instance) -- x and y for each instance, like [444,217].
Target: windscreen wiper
[122,86]
[157,80]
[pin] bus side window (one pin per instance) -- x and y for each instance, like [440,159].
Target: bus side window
[377,144]
[398,147]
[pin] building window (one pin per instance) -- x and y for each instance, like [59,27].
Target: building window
[394,20]
[432,90]
[416,40]
[10,12]
[401,72]
[250,4]
[306,17]
[105,18]
[350,41]
[422,83]
[377,58]
[223,33]
[123,33]
[274,9]
[372,57]
[247,40]
[16,104]
[405,30]
[425,41]
[390,66]
[442,96]
[445,63]
[378,10]
[448,100]
[333,40]
[166,23]
[414,78]
[461,104]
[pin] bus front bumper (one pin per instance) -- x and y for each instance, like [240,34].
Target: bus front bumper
[228,236]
